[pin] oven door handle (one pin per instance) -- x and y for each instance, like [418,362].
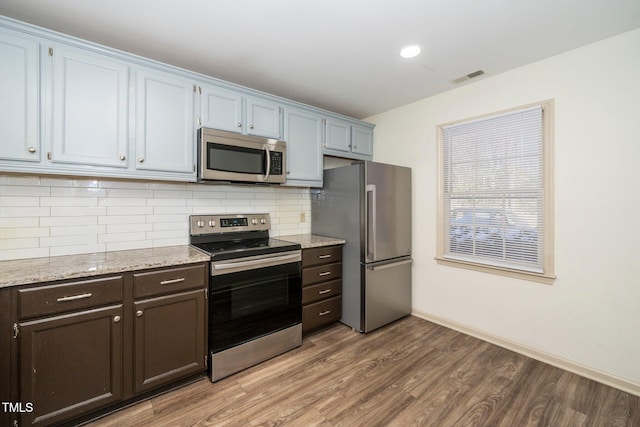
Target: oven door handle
[262,262]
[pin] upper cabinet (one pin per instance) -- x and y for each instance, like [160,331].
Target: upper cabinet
[347,138]
[234,111]
[165,122]
[19,91]
[89,108]
[72,107]
[303,133]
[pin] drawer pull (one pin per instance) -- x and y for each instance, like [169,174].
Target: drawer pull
[172,281]
[139,313]
[324,256]
[324,273]
[116,319]
[324,313]
[74,297]
[325,291]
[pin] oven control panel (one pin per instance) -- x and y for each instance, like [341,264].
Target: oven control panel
[228,223]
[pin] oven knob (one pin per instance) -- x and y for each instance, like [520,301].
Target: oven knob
[254,221]
[212,223]
[200,223]
[263,221]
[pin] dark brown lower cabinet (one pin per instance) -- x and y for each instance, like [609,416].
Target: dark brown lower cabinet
[70,364]
[169,338]
[94,344]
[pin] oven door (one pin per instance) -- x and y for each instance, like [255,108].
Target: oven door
[250,298]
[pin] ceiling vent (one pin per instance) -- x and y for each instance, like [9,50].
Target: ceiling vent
[466,77]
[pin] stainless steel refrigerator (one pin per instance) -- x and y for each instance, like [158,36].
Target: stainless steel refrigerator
[369,205]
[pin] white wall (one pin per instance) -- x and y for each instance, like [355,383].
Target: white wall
[590,316]
[49,216]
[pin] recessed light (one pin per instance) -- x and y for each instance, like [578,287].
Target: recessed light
[410,51]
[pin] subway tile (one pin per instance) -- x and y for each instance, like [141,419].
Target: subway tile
[11,254]
[121,237]
[128,210]
[77,230]
[77,249]
[19,201]
[77,210]
[22,211]
[23,232]
[62,221]
[122,219]
[19,222]
[27,242]
[125,246]
[128,228]
[77,192]
[69,201]
[122,201]
[19,180]
[24,190]
[86,239]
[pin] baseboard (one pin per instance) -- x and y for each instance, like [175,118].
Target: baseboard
[559,362]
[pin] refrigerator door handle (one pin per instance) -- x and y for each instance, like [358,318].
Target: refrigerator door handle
[371,221]
[390,265]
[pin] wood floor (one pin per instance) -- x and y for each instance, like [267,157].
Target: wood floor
[409,373]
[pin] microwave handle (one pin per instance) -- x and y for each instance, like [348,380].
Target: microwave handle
[266,148]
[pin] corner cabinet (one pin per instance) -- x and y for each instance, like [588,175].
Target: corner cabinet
[303,134]
[94,344]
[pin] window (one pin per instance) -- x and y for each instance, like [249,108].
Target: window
[495,201]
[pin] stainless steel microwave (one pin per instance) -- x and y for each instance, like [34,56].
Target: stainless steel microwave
[228,156]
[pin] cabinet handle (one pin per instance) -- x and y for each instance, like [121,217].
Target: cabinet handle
[324,313]
[172,281]
[239,125]
[324,256]
[324,273]
[139,313]
[31,149]
[250,126]
[123,157]
[141,160]
[325,291]
[74,297]
[116,319]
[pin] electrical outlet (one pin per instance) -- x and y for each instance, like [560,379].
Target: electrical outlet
[303,217]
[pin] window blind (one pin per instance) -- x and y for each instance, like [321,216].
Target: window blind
[493,190]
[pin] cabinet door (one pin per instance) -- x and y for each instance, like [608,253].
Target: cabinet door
[70,364]
[221,108]
[362,140]
[89,107]
[263,118]
[19,89]
[303,133]
[169,338]
[165,122]
[337,135]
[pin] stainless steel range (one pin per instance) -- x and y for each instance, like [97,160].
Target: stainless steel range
[255,293]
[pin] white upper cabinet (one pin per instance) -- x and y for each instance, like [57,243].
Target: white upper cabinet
[362,140]
[165,122]
[263,118]
[337,135]
[19,103]
[221,108]
[234,111]
[303,134]
[89,101]
[346,138]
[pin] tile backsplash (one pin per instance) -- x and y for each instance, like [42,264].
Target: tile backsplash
[49,216]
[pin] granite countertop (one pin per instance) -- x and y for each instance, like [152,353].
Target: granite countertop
[312,240]
[35,270]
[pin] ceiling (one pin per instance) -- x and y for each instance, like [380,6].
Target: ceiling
[341,55]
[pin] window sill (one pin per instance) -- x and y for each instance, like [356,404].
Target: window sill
[516,274]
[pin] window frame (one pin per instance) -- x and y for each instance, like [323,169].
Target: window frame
[548,274]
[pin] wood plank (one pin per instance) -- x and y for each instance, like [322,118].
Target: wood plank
[409,373]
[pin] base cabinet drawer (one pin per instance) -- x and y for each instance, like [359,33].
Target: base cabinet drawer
[321,313]
[321,291]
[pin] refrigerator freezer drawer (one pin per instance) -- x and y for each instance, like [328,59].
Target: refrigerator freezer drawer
[387,293]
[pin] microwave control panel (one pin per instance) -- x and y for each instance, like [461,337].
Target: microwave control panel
[276,162]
